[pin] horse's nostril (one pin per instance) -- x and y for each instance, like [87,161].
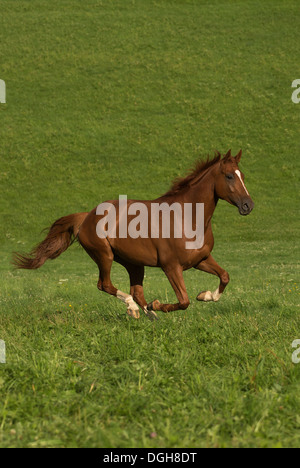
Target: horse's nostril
[246,207]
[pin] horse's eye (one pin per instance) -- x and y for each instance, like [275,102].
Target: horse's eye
[229,176]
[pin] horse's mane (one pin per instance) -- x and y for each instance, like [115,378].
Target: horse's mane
[180,183]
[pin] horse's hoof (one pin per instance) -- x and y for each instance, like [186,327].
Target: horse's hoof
[151,314]
[133,313]
[154,305]
[205,296]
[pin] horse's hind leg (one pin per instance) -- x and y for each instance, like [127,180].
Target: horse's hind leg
[132,307]
[136,275]
[103,256]
[105,284]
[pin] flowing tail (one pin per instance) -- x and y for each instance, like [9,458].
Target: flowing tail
[60,236]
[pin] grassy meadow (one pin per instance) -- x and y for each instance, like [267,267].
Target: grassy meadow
[120,97]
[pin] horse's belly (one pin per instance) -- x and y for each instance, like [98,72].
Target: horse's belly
[136,251]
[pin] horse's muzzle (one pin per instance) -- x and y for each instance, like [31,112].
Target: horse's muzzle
[245,207]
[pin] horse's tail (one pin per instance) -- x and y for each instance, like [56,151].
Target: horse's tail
[60,236]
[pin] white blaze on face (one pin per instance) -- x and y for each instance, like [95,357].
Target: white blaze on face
[240,177]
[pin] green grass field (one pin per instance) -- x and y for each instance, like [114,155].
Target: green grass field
[119,97]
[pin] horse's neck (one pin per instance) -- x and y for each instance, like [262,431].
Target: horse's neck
[203,191]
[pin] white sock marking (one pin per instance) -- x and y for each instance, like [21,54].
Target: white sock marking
[127,299]
[216,295]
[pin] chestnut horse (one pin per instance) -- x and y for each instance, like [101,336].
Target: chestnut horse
[212,179]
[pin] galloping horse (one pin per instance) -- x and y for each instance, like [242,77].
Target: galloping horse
[212,179]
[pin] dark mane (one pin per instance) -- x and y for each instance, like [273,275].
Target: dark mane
[195,174]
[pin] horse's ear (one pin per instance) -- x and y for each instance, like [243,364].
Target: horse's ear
[238,156]
[227,155]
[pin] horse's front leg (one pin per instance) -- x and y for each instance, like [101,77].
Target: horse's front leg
[175,277]
[210,266]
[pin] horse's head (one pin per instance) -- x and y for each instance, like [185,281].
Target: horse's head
[230,185]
